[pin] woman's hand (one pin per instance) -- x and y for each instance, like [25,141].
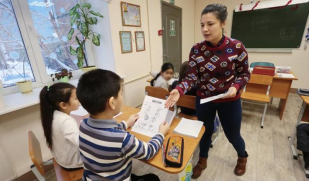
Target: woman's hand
[132,119]
[230,93]
[172,99]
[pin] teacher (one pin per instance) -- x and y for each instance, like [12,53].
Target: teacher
[217,65]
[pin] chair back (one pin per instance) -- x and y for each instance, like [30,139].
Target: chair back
[35,152]
[261,79]
[266,64]
[186,101]
[157,92]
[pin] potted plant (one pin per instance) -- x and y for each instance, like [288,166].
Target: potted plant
[25,85]
[63,76]
[81,17]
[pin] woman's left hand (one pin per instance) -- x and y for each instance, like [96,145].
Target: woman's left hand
[230,93]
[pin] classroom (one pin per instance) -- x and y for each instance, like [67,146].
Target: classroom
[154,90]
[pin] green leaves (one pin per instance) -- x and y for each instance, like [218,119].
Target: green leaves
[79,53]
[74,17]
[96,39]
[84,29]
[73,10]
[70,33]
[72,51]
[95,14]
[87,5]
[92,20]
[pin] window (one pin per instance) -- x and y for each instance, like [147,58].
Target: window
[13,55]
[52,24]
[33,41]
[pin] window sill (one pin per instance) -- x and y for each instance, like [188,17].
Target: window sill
[18,100]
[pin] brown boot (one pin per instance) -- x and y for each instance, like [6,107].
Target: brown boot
[197,170]
[240,168]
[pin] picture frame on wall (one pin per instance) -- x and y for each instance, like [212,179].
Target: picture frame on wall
[140,41]
[130,14]
[125,41]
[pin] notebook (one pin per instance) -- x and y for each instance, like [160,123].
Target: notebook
[189,127]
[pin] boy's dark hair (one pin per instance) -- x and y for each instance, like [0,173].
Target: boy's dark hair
[219,10]
[95,88]
[50,99]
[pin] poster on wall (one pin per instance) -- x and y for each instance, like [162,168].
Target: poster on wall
[125,41]
[130,14]
[140,41]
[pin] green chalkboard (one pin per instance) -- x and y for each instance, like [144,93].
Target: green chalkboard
[271,28]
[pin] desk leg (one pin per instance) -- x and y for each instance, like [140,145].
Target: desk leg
[185,175]
[281,108]
[292,138]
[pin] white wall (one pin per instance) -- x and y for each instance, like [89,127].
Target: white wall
[298,59]
[14,129]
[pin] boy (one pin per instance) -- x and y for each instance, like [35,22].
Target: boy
[106,147]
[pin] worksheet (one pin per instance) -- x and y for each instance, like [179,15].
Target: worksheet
[152,114]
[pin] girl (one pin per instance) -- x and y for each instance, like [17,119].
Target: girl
[182,74]
[217,65]
[60,129]
[162,78]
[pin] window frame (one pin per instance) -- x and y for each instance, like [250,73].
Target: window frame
[30,40]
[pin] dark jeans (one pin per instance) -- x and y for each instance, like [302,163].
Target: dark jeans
[230,117]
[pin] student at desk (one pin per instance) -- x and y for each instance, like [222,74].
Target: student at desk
[106,147]
[162,78]
[218,64]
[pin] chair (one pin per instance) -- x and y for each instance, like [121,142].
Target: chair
[266,64]
[260,98]
[186,101]
[36,157]
[66,175]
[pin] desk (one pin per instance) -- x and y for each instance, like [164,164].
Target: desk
[280,88]
[302,116]
[189,142]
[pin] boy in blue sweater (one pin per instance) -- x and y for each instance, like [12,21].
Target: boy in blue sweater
[106,147]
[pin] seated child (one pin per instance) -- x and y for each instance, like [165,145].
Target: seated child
[106,147]
[162,78]
[60,129]
[182,74]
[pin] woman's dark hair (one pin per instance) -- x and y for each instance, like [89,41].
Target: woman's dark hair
[219,10]
[183,70]
[50,98]
[164,68]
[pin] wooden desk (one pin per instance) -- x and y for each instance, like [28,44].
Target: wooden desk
[189,142]
[302,116]
[65,175]
[280,88]
[149,80]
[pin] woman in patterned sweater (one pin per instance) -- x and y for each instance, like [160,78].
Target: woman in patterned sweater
[217,65]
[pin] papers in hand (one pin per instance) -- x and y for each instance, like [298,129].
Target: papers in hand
[189,127]
[152,114]
[208,99]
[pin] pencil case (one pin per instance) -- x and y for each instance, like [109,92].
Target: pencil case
[174,152]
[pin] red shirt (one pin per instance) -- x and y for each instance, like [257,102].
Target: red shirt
[215,69]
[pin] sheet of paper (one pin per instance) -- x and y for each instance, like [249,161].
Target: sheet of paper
[169,117]
[208,99]
[152,114]
[193,125]
[283,75]
[80,112]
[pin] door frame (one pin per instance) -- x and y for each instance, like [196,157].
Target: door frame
[178,8]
